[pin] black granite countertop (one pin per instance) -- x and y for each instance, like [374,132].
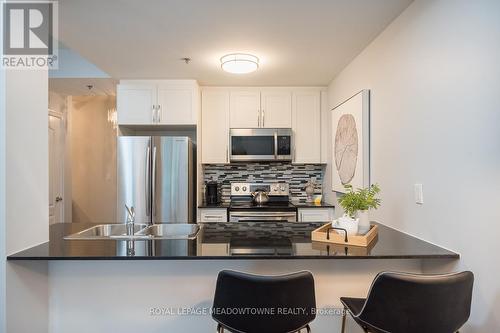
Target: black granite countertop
[223,205]
[297,204]
[322,204]
[252,240]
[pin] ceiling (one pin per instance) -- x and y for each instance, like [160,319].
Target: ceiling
[299,42]
[79,86]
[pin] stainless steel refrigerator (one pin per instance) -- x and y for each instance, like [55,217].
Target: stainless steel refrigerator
[155,176]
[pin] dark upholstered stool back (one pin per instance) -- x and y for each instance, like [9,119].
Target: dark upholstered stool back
[400,302]
[251,303]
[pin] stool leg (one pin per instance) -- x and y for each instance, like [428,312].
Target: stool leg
[344,313]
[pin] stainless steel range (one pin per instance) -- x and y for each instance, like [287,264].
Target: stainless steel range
[277,207]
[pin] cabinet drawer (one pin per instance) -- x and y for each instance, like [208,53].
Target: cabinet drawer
[315,214]
[213,215]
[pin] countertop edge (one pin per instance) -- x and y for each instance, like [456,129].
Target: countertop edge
[222,258]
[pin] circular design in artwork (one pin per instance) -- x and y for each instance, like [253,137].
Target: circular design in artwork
[346,148]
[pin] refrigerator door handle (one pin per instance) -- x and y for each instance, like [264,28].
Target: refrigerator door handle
[148,182]
[153,184]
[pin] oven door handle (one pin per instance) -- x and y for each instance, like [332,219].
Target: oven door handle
[263,218]
[254,215]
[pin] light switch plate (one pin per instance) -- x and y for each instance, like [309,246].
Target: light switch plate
[419,194]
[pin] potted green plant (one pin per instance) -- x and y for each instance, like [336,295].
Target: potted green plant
[356,204]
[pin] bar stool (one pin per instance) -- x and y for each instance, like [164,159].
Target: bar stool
[247,303]
[413,303]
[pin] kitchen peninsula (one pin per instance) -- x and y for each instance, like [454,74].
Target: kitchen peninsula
[233,241]
[182,273]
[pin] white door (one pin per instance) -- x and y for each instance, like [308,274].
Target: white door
[244,110]
[176,105]
[214,126]
[276,109]
[56,168]
[306,126]
[135,104]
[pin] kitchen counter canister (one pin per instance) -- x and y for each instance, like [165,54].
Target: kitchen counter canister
[232,241]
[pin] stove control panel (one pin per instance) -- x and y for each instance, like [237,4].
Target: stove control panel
[246,189]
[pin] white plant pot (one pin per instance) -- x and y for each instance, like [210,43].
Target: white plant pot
[347,223]
[364,221]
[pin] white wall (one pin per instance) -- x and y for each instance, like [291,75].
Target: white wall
[93,160]
[434,76]
[27,200]
[2,192]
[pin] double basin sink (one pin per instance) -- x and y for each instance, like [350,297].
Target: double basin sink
[141,232]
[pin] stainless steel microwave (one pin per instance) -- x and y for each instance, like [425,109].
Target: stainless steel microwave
[260,144]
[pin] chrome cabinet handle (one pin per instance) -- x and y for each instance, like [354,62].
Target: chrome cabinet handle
[159,113]
[214,217]
[154,113]
[263,119]
[258,118]
[58,199]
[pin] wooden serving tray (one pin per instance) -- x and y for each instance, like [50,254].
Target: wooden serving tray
[328,234]
[331,249]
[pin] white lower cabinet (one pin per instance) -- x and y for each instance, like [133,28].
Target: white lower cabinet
[315,214]
[213,215]
[219,249]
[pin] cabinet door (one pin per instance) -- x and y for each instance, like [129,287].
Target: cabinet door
[307,126]
[176,104]
[135,104]
[244,111]
[213,215]
[276,108]
[214,126]
[315,214]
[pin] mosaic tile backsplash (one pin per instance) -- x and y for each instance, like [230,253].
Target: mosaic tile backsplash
[296,175]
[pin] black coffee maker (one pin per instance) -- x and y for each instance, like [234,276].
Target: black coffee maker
[212,193]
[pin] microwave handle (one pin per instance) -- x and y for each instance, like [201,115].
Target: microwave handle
[275,145]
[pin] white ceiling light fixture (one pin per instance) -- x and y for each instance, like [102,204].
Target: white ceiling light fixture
[239,63]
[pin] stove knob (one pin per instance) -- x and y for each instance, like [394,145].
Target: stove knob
[244,188]
[236,188]
[282,188]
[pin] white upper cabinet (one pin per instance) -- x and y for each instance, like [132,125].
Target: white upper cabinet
[270,108]
[306,116]
[245,109]
[215,126]
[177,104]
[276,109]
[172,102]
[136,103]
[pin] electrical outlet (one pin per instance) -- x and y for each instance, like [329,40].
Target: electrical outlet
[419,194]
